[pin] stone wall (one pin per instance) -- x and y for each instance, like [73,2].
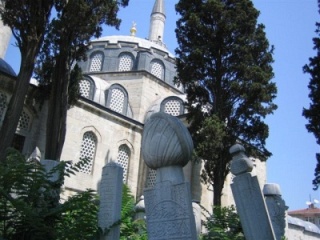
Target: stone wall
[5,35]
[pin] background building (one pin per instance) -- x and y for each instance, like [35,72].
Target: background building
[126,80]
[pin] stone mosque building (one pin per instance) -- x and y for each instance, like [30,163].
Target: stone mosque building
[126,80]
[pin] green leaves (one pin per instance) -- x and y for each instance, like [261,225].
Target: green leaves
[223,224]
[130,228]
[312,113]
[30,205]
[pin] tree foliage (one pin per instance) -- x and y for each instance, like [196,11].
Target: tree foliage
[223,224]
[67,37]
[67,40]
[130,228]
[30,206]
[224,63]
[28,21]
[312,114]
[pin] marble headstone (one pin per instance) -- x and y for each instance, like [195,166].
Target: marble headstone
[248,197]
[110,200]
[167,147]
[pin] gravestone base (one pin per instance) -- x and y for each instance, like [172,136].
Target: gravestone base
[169,212]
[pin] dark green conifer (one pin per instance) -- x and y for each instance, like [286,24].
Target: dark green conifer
[224,62]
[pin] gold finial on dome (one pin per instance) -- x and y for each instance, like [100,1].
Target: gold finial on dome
[133,29]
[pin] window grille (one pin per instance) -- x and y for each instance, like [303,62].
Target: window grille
[88,150]
[151,178]
[117,100]
[85,87]
[123,160]
[24,121]
[125,63]
[96,62]
[3,105]
[173,107]
[157,69]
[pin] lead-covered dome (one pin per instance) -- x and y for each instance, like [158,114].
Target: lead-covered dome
[6,68]
[129,54]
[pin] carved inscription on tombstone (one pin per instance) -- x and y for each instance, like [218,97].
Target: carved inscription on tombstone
[168,212]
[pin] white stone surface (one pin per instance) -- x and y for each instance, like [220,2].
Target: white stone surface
[110,193]
[5,35]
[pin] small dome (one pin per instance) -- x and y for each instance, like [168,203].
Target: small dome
[6,68]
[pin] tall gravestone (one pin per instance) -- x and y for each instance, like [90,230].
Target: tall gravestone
[110,200]
[248,197]
[276,208]
[167,147]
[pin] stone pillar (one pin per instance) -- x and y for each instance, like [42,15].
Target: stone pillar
[140,209]
[276,208]
[48,165]
[167,147]
[110,200]
[248,197]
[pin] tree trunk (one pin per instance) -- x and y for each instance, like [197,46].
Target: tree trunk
[219,175]
[217,190]
[16,103]
[57,111]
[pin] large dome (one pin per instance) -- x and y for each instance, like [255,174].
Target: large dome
[140,42]
[6,68]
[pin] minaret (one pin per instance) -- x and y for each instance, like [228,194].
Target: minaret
[5,34]
[157,21]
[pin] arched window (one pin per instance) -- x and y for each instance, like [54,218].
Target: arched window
[157,69]
[3,105]
[123,160]
[24,121]
[117,99]
[21,131]
[173,106]
[125,62]
[86,88]
[151,178]
[96,61]
[88,151]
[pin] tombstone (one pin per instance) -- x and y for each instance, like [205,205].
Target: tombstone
[35,156]
[48,165]
[140,209]
[248,197]
[167,147]
[276,208]
[110,201]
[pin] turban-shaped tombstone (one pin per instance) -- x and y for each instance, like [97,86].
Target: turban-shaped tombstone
[167,147]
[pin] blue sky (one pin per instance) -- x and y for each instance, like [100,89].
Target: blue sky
[290,27]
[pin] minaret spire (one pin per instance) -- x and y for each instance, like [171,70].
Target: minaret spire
[157,21]
[5,34]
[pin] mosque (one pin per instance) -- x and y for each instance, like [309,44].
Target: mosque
[126,79]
